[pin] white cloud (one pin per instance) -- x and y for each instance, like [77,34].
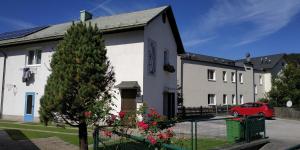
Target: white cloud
[104,7]
[15,23]
[264,16]
[196,41]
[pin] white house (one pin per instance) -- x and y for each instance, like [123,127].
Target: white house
[142,47]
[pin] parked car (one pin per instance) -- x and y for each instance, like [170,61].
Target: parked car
[257,108]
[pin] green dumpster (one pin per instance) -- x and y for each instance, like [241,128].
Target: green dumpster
[235,129]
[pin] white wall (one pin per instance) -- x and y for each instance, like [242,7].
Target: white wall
[155,85]
[126,53]
[124,50]
[14,97]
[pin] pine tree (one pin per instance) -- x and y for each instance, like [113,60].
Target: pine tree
[79,89]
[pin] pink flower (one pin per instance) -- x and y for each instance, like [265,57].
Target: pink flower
[122,114]
[151,139]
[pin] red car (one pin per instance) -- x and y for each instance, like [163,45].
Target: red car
[257,108]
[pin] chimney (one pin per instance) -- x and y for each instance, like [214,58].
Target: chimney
[248,58]
[85,15]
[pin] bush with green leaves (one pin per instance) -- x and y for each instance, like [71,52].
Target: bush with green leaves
[286,86]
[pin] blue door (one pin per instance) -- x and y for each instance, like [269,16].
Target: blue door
[29,107]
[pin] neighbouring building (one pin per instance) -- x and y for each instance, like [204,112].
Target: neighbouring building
[209,81]
[142,47]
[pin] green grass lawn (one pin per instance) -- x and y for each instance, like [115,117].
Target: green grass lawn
[25,131]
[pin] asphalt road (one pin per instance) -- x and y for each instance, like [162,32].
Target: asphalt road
[283,133]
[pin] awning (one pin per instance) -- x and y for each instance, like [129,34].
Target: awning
[128,85]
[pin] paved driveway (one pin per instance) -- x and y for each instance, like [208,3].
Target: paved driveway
[282,133]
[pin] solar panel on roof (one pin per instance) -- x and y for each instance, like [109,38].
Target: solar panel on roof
[20,33]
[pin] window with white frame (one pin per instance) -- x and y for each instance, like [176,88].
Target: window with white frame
[224,99]
[241,99]
[241,78]
[211,75]
[232,76]
[211,99]
[224,76]
[260,80]
[233,99]
[34,57]
[255,89]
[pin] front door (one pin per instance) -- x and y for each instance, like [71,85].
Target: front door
[29,107]
[128,105]
[169,104]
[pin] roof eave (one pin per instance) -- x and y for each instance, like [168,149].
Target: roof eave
[58,37]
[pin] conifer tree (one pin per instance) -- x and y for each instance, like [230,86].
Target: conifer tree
[79,89]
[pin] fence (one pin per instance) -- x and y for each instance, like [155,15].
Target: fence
[187,112]
[290,113]
[190,134]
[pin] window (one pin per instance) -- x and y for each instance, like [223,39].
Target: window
[151,56]
[260,80]
[241,78]
[247,105]
[34,57]
[224,99]
[211,75]
[211,99]
[255,89]
[166,57]
[233,99]
[232,76]
[241,99]
[224,76]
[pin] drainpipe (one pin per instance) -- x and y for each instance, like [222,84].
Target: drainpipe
[253,83]
[3,81]
[236,88]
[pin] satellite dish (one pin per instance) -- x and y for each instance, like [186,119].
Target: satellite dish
[289,103]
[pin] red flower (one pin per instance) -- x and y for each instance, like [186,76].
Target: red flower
[162,136]
[111,120]
[122,114]
[143,125]
[169,133]
[151,139]
[108,133]
[154,123]
[88,114]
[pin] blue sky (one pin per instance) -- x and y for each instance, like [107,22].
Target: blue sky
[223,28]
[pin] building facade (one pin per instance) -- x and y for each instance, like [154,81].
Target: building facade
[209,81]
[139,45]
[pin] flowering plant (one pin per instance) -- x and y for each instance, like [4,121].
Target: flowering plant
[149,128]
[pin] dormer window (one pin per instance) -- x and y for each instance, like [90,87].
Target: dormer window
[34,57]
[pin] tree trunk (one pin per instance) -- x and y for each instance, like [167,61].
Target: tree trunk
[83,142]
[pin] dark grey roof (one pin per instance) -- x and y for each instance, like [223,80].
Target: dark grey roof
[106,24]
[260,63]
[265,62]
[128,85]
[205,58]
